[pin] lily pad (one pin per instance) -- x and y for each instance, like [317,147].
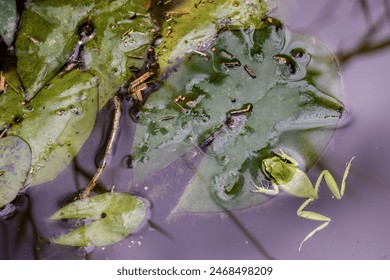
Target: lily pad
[15,163]
[123,34]
[50,31]
[11,103]
[57,123]
[112,217]
[46,38]
[192,24]
[62,105]
[8,20]
[251,91]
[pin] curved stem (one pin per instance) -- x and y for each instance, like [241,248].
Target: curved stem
[108,151]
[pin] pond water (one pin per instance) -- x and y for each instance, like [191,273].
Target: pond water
[360,226]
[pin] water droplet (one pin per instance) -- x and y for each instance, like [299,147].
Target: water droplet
[127,162]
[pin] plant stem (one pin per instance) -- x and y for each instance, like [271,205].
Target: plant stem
[108,151]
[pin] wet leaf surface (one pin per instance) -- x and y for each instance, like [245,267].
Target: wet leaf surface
[15,163]
[250,92]
[111,217]
[50,33]
[191,25]
[63,94]
[8,20]
[46,38]
[11,103]
[123,34]
[57,122]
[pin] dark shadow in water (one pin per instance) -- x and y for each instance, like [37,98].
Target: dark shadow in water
[17,231]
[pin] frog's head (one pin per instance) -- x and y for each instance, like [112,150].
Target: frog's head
[280,168]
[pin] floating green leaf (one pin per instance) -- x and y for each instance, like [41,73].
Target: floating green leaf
[57,122]
[8,20]
[11,103]
[192,24]
[249,92]
[123,33]
[61,108]
[46,38]
[50,31]
[15,162]
[112,217]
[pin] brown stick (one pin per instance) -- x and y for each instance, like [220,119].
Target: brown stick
[107,152]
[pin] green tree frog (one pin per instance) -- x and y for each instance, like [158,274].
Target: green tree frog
[283,172]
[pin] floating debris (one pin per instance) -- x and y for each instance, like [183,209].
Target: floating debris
[250,71]
[33,40]
[232,64]
[2,84]
[135,56]
[138,85]
[167,118]
[180,98]
[281,59]
[248,108]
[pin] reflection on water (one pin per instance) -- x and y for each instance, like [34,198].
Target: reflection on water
[359,31]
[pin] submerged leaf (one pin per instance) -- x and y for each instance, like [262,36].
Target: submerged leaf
[248,93]
[112,217]
[15,163]
[8,20]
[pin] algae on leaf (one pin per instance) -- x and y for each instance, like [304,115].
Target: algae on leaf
[191,25]
[71,59]
[123,34]
[45,40]
[112,217]
[251,91]
[57,122]
[51,30]
[15,163]
[11,103]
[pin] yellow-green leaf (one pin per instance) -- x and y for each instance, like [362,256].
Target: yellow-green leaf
[111,218]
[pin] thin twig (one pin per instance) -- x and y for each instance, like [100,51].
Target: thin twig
[13,87]
[108,151]
[4,132]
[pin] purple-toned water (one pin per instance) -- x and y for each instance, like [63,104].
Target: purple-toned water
[360,224]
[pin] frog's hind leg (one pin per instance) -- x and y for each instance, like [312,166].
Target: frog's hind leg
[330,181]
[312,216]
[336,191]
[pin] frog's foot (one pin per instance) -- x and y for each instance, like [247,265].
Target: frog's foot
[264,190]
[312,216]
